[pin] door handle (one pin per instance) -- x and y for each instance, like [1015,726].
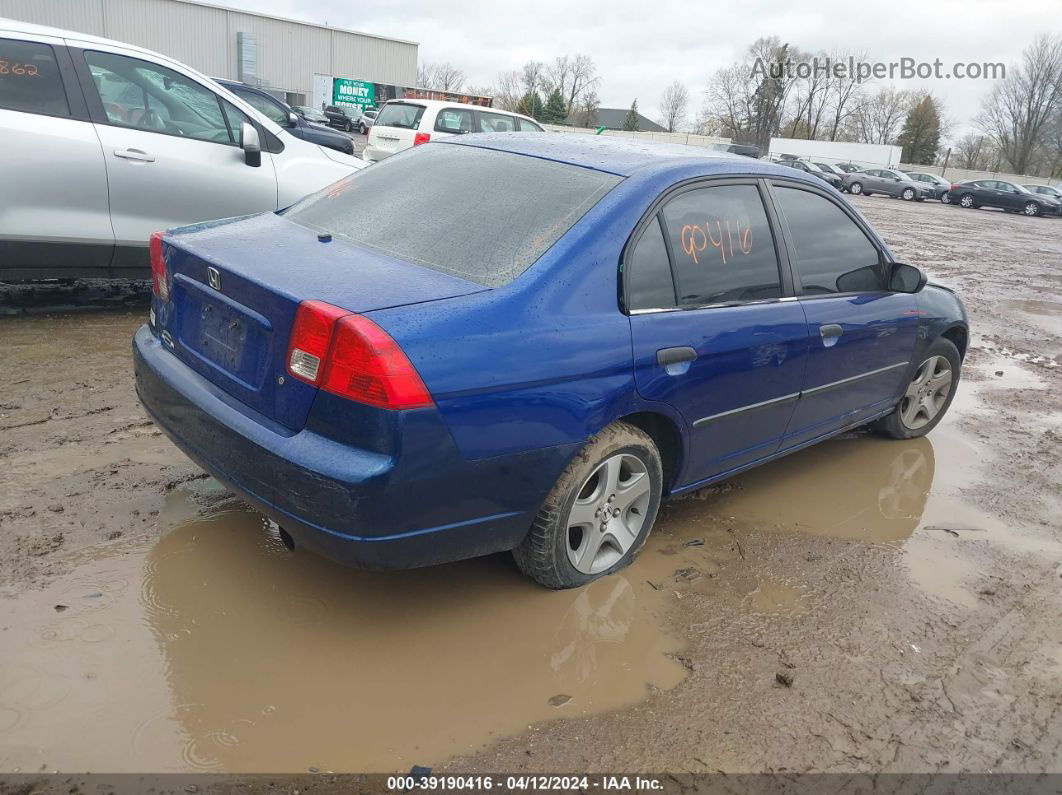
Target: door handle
[134,154]
[830,330]
[666,356]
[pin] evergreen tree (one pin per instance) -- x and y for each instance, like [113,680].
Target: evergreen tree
[920,136]
[631,122]
[555,111]
[531,105]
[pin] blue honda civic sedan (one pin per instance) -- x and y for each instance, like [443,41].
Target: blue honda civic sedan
[526,342]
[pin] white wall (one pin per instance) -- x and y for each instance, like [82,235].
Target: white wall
[690,139]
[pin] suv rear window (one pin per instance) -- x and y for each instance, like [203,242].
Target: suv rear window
[400,114]
[479,214]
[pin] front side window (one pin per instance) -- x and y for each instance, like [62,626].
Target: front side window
[832,254]
[454,120]
[150,97]
[401,115]
[270,110]
[722,244]
[649,283]
[30,80]
[482,215]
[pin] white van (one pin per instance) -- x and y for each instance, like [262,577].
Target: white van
[403,123]
[104,143]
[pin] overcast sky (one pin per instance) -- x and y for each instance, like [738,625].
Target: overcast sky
[640,47]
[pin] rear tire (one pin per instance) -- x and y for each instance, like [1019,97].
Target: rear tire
[945,199]
[617,480]
[967,200]
[856,188]
[929,395]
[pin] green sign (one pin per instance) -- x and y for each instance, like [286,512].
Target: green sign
[353,93]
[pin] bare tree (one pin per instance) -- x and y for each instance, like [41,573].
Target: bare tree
[879,115]
[1020,109]
[448,77]
[585,113]
[673,105]
[811,94]
[846,94]
[508,93]
[973,151]
[479,91]
[426,75]
[532,75]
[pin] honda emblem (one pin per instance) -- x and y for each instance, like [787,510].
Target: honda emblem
[214,278]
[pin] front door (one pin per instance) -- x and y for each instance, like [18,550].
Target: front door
[861,336]
[716,343]
[172,149]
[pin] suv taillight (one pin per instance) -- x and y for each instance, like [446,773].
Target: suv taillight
[350,356]
[160,284]
[421,138]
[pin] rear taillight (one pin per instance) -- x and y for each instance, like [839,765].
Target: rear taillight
[421,138]
[160,284]
[954,186]
[350,356]
[310,338]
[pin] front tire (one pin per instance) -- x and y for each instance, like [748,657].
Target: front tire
[1031,209]
[929,395]
[945,199]
[967,200]
[855,188]
[597,516]
[908,194]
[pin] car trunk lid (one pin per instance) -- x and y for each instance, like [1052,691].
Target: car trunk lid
[235,288]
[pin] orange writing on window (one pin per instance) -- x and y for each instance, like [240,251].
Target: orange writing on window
[726,236]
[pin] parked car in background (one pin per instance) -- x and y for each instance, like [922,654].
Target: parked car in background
[284,115]
[342,118]
[366,120]
[404,123]
[746,150]
[458,377]
[1049,191]
[311,114]
[937,183]
[811,168]
[104,143]
[1004,195]
[847,168]
[887,181]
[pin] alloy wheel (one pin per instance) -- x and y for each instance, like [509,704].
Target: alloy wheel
[608,513]
[967,201]
[856,188]
[908,194]
[927,394]
[1032,209]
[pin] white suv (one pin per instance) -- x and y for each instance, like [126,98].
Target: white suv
[104,143]
[403,123]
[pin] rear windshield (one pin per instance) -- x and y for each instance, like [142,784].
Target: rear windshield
[483,215]
[399,114]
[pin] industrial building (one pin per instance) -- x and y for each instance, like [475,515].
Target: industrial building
[285,56]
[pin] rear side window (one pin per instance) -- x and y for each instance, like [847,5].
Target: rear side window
[528,126]
[454,120]
[832,253]
[30,80]
[649,282]
[464,216]
[722,244]
[495,122]
[400,114]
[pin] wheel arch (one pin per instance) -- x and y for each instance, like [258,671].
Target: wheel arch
[958,336]
[668,438]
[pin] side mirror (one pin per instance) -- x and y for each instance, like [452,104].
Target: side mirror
[251,145]
[293,119]
[906,278]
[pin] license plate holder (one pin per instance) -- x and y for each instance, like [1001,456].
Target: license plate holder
[222,336]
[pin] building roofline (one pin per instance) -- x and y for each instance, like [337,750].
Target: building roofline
[296,21]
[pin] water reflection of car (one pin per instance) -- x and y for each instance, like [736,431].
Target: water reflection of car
[1003,195]
[413,404]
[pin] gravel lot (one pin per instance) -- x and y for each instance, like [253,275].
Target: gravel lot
[864,605]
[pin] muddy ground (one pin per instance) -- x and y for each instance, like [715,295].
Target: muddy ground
[864,605]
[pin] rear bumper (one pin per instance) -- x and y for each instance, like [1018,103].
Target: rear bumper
[351,505]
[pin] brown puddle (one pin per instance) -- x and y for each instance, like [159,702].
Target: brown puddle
[221,650]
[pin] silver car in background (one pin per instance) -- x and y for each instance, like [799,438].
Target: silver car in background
[887,181]
[937,184]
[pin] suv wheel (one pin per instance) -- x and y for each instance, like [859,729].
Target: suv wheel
[599,513]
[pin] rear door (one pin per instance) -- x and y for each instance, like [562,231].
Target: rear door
[717,343]
[861,336]
[172,149]
[396,127]
[453,121]
[54,217]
